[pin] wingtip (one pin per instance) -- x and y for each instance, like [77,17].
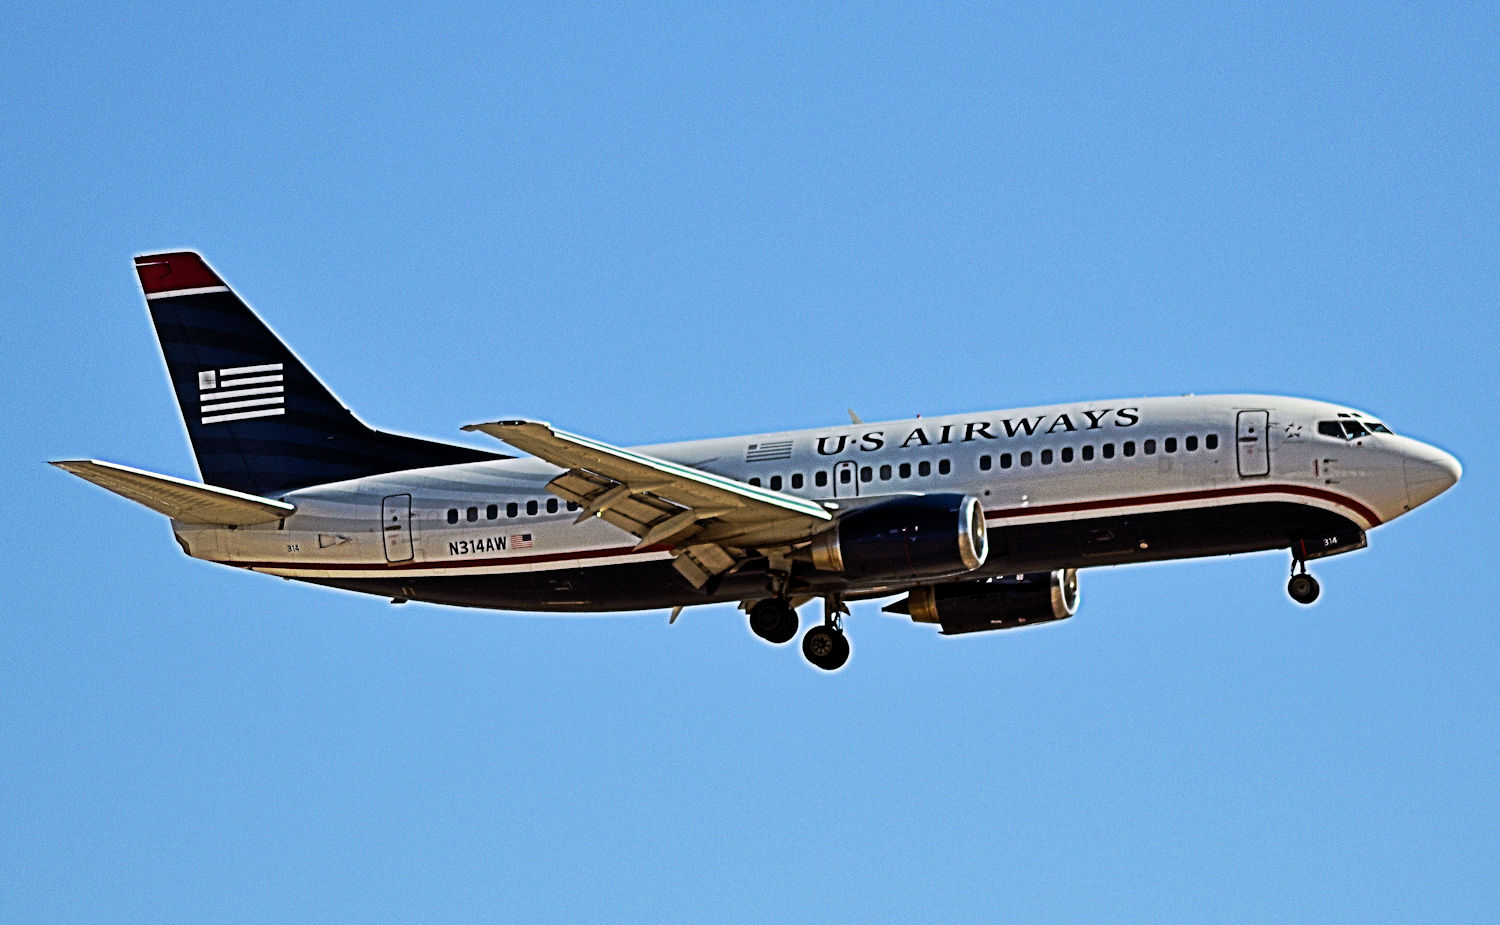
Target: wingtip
[514,422]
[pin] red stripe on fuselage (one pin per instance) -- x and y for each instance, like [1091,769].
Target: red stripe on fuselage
[1179,497]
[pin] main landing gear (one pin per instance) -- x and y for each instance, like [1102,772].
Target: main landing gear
[1302,587]
[773,620]
[825,645]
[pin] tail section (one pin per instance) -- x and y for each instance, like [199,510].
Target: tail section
[260,422]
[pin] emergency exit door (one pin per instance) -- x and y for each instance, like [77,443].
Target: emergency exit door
[395,527]
[846,479]
[1252,443]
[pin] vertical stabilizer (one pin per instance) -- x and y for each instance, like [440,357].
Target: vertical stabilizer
[260,422]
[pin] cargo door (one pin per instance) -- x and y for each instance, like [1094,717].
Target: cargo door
[1252,444]
[395,527]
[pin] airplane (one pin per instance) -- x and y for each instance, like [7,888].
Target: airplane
[979,521]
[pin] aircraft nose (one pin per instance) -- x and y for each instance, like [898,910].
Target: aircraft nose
[1429,473]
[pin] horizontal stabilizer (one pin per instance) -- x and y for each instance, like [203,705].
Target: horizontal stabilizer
[179,499]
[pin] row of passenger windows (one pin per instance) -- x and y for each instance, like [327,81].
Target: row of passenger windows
[796,481]
[513,509]
[1107,451]
[1046,457]
[820,478]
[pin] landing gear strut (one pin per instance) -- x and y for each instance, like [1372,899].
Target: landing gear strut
[826,646]
[773,620]
[1302,587]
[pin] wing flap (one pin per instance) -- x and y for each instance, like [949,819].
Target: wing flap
[179,499]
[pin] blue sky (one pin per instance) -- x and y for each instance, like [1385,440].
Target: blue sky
[647,223]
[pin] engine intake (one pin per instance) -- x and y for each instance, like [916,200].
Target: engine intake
[922,536]
[996,604]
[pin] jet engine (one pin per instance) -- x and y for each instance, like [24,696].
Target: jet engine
[920,536]
[996,604]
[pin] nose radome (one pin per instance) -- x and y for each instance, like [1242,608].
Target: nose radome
[1430,473]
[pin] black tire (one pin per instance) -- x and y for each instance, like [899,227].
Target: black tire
[765,618]
[773,620]
[786,630]
[1303,589]
[825,647]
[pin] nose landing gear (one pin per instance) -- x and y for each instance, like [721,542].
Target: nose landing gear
[1302,587]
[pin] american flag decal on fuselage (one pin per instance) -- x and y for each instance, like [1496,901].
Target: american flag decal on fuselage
[240,392]
[768,451]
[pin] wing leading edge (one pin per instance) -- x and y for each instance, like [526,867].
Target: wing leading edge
[707,520]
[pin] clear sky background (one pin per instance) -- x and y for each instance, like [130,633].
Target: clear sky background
[648,223]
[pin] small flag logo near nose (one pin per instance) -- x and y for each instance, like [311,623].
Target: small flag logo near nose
[240,392]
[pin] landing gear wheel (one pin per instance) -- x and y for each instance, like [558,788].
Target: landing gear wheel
[1303,588]
[826,647]
[773,620]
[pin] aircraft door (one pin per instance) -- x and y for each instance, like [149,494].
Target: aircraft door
[395,527]
[1252,443]
[846,479]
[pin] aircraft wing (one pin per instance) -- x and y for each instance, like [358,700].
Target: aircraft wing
[707,520]
[189,502]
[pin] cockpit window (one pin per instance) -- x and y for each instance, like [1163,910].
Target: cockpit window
[1348,429]
[1377,427]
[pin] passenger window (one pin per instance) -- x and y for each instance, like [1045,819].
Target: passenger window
[1067,454]
[820,479]
[473,514]
[1211,442]
[866,474]
[452,515]
[1025,458]
[1109,451]
[924,468]
[1007,460]
[944,467]
[776,483]
[796,480]
[905,471]
[491,512]
[551,505]
[1169,445]
[572,505]
[1190,444]
[985,462]
[1046,457]
[885,473]
[844,476]
[531,508]
[1128,448]
[1149,447]
[512,509]
[755,481]
[1088,452]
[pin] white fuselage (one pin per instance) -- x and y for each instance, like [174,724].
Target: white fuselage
[1042,468]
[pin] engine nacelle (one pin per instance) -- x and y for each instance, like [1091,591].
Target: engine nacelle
[997,604]
[921,536]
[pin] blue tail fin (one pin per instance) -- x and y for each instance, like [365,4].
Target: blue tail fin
[260,422]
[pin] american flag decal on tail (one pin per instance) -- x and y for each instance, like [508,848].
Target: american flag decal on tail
[240,392]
